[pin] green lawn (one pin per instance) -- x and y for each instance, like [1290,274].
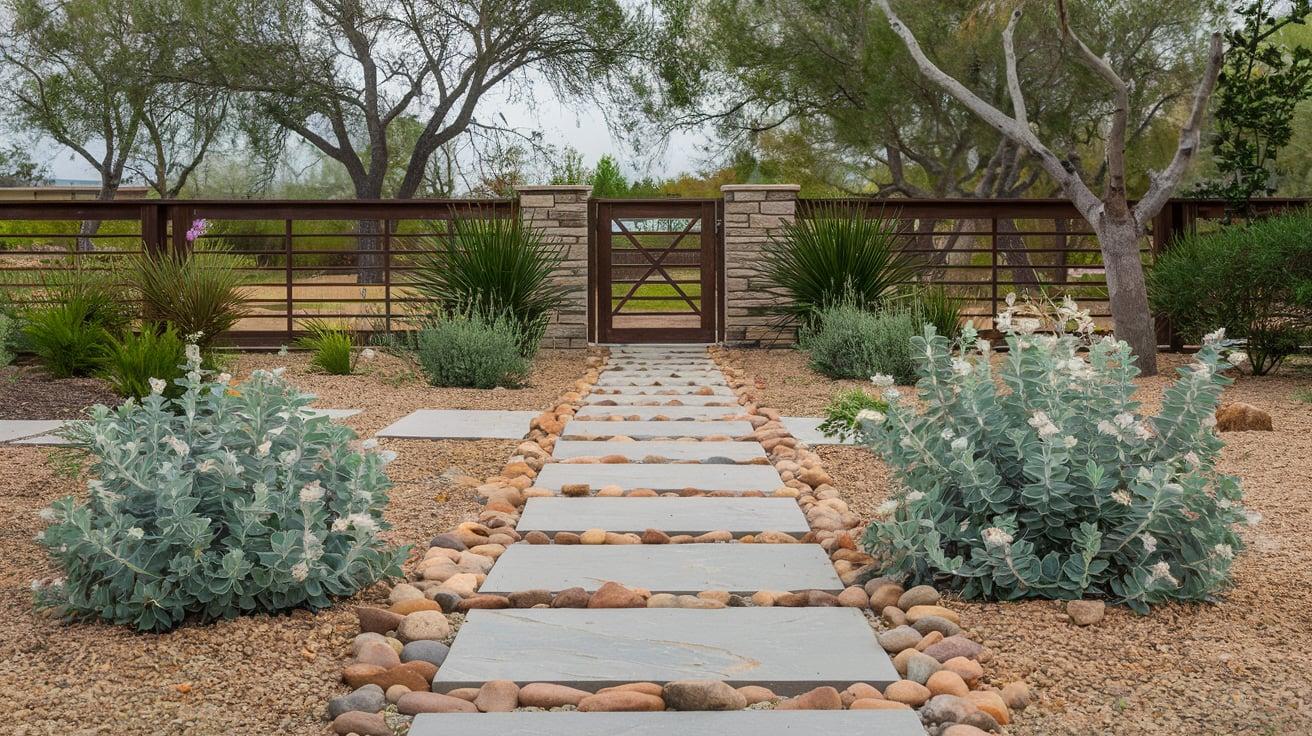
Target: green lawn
[670,300]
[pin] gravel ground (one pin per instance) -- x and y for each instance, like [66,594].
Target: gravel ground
[785,382]
[1235,667]
[26,392]
[255,674]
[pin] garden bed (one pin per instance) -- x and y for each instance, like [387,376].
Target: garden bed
[255,674]
[27,392]
[1237,667]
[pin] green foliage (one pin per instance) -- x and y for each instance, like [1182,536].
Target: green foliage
[843,410]
[200,294]
[472,352]
[1046,480]
[1252,279]
[847,342]
[70,328]
[495,266]
[132,360]
[1260,87]
[934,305]
[217,503]
[607,180]
[835,257]
[7,325]
[331,346]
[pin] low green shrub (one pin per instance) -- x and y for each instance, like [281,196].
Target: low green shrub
[66,339]
[848,342]
[331,348]
[132,360]
[7,330]
[1046,480]
[1254,280]
[934,305]
[472,352]
[201,294]
[843,410]
[220,502]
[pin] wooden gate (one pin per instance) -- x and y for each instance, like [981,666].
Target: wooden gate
[656,271]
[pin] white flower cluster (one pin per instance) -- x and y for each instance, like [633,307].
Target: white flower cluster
[995,537]
[1123,426]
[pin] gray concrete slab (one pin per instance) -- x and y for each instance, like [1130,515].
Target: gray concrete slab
[591,411]
[807,429]
[674,451]
[662,477]
[460,424]
[577,429]
[626,364]
[335,413]
[665,723]
[693,515]
[17,429]
[789,650]
[657,400]
[668,372]
[663,568]
[45,440]
[666,391]
[616,379]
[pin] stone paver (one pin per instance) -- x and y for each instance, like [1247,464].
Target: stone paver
[651,412]
[578,429]
[667,391]
[694,515]
[460,424]
[335,413]
[789,650]
[17,429]
[674,451]
[671,723]
[807,429]
[705,477]
[663,568]
[657,400]
[616,380]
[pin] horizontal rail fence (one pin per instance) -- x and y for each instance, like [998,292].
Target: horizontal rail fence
[981,250]
[348,262]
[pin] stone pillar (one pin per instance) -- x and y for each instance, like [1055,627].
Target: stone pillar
[752,213]
[560,212]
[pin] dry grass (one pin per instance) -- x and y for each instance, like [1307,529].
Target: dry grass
[1238,666]
[254,674]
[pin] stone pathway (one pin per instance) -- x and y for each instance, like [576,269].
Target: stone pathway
[789,650]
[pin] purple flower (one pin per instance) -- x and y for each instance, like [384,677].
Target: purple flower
[198,229]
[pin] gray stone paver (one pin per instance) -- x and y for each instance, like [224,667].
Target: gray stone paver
[595,399]
[673,723]
[737,478]
[667,391]
[17,429]
[807,429]
[789,650]
[578,429]
[651,412]
[619,380]
[663,568]
[672,451]
[694,515]
[460,424]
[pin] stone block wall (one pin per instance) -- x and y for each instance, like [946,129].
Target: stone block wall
[752,214]
[561,213]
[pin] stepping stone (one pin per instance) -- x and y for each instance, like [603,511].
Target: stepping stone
[694,515]
[17,429]
[460,424]
[663,723]
[668,372]
[639,399]
[611,379]
[661,365]
[45,440]
[674,451]
[335,413]
[683,569]
[576,429]
[669,412]
[807,429]
[662,477]
[671,391]
[789,650]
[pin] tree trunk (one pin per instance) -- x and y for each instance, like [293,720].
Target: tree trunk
[1119,239]
[88,228]
[369,259]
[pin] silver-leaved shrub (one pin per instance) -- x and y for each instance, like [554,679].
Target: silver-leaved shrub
[1049,481]
[224,501]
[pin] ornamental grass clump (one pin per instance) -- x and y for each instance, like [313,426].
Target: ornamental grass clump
[1054,484]
[220,502]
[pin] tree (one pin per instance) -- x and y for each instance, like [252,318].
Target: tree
[341,73]
[18,170]
[1260,87]
[1117,224]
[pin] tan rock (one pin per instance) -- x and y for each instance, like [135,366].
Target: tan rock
[915,613]
[878,704]
[423,625]
[860,691]
[1241,417]
[947,682]
[854,597]
[614,595]
[593,536]
[990,701]
[549,695]
[821,698]
[756,694]
[968,669]
[1085,613]
[906,691]
[497,696]
[415,703]
[620,700]
[1017,695]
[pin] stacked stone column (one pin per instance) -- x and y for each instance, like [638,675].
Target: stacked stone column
[753,213]
[560,212]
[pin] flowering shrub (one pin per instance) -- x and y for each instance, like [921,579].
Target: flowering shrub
[1057,486]
[220,502]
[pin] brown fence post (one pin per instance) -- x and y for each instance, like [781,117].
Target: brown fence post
[752,214]
[560,212]
[287,269]
[1171,223]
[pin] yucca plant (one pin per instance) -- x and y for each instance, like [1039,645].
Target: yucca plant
[331,347]
[836,256]
[494,266]
[934,305]
[199,293]
[131,361]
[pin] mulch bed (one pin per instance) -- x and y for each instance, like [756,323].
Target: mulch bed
[27,392]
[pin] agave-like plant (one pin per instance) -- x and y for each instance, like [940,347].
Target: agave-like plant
[837,256]
[199,293]
[498,267]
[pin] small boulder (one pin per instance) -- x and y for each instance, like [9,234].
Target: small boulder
[921,595]
[1241,417]
[954,646]
[412,704]
[497,696]
[620,700]
[423,625]
[571,598]
[361,724]
[821,698]
[550,695]
[905,691]
[756,694]
[898,639]
[529,598]
[1085,613]
[702,695]
[377,620]
[614,595]
[366,699]
[946,709]
[1017,695]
